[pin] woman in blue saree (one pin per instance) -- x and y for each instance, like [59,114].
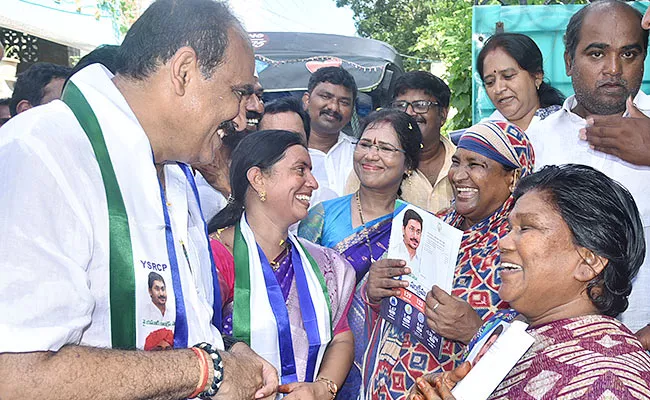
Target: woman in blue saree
[358,225]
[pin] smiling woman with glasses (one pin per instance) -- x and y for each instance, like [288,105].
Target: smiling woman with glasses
[365,146]
[358,225]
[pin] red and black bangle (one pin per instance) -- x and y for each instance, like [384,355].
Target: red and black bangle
[217,379]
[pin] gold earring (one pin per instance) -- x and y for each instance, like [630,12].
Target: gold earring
[262,195]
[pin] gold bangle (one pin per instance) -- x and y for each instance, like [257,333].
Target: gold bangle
[331,386]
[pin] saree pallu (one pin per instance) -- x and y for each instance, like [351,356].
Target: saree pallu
[339,278]
[590,357]
[357,254]
[329,224]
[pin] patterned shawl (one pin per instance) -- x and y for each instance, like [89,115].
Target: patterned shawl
[477,280]
[590,357]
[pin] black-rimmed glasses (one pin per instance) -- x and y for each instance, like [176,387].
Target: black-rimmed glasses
[419,106]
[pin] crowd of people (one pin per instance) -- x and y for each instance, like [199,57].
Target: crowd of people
[153,201]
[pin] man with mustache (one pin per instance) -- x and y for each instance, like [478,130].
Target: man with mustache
[411,234]
[158,292]
[329,101]
[624,136]
[605,53]
[254,107]
[425,97]
[212,179]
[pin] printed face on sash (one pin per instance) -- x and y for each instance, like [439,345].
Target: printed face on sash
[157,291]
[155,306]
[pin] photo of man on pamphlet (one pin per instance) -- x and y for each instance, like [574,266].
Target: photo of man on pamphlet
[430,248]
[492,355]
[407,249]
[486,343]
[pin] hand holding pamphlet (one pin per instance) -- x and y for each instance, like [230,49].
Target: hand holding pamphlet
[492,357]
[430,248]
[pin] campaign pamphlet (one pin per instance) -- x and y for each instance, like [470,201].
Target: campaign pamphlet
[492,357]
[430,248]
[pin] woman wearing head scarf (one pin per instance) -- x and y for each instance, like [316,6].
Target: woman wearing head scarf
[490,158]
[567,266]
[287,298]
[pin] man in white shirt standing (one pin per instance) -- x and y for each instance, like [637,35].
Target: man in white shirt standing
[97,193]
[605,52]
[329,101]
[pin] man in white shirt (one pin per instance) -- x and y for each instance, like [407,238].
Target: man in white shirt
[97,193]
[605,53]
[407,248]
[329,101]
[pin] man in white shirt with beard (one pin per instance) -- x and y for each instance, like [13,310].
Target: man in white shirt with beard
[605,52]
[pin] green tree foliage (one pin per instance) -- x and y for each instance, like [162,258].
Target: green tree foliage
[449,31]
[123,12]
[395,22]
[426,30]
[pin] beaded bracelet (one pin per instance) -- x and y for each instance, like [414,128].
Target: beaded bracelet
[218,370]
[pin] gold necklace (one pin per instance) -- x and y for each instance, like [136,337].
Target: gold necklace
[365,229]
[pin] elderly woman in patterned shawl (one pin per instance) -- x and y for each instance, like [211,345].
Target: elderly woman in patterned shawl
[575,245]
[490,158]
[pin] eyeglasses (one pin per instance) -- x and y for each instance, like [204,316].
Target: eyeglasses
[242,92]
[419,106]
[384,149]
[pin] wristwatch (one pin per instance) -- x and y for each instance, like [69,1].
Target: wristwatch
[331,386]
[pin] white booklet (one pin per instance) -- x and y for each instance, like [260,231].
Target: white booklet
[492,357]
[430,248]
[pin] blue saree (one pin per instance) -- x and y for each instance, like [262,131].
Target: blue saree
[330,224]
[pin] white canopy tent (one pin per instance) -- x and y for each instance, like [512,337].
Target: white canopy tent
[74,23]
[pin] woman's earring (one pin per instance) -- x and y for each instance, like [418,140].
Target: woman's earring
[407,176]
[262,195]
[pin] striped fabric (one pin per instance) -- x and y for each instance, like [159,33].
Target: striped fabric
[589,357]
[500,141]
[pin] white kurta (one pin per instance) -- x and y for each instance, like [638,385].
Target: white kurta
[212,201]
[331,170]
[556,141]
[54,274]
